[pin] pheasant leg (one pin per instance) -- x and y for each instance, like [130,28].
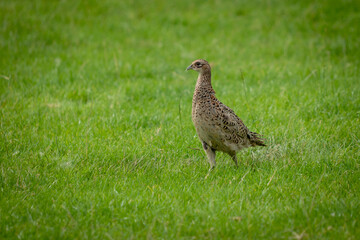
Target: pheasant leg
[210,153]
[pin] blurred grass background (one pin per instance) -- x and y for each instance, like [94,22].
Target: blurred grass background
[96,133]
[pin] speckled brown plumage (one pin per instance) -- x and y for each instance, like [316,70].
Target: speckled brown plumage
[217,126]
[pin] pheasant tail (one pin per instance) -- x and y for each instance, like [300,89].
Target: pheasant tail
[256,139]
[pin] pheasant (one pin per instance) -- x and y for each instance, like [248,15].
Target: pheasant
[217,126]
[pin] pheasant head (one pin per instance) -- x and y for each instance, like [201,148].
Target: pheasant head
[200,66]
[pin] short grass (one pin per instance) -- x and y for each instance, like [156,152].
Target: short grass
[96,134]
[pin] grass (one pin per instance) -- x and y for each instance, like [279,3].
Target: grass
[96,134]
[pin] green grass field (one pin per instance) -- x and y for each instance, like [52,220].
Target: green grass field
[97,140]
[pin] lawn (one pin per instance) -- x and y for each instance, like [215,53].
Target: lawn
[96,137]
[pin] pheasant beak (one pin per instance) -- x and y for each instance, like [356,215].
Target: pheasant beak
[189,67]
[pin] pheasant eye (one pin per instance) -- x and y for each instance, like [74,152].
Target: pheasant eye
[197,64]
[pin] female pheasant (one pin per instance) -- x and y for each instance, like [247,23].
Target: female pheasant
[217,126]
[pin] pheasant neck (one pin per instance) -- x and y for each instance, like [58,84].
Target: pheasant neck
[204,81]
